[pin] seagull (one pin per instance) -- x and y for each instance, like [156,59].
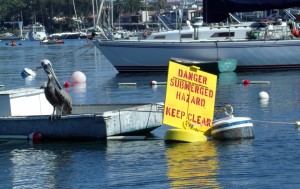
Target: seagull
[55,94]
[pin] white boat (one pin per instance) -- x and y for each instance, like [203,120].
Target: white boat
[66,35]
[268,45]
[36,32]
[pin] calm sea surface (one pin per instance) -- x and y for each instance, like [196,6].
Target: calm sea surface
[271,160]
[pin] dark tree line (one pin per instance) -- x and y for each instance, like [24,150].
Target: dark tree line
[43,11]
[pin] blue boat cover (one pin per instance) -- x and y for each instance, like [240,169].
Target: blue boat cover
[215,11]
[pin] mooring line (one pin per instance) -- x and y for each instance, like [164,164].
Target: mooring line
[80,54]
[63,56]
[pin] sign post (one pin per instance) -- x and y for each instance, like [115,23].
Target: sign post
[190,98]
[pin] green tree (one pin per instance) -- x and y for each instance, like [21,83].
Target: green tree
[118,8]
[43,11]
[132,6]
[11,6]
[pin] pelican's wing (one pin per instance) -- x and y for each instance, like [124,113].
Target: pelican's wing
[65,99]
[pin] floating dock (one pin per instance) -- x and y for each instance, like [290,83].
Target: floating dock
[26,111]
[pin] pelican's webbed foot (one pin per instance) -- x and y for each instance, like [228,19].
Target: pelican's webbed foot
[51,117]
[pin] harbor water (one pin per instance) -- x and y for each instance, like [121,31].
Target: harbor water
[268,161]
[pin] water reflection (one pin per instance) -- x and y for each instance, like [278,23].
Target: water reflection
[29,80]
[192,164]
[264,103]
[79,88]
[51,166]
[32,166]
[227,78]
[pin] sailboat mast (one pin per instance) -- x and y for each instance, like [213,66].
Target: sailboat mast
[75,15]
[99,12]
[94,14]
[112,14]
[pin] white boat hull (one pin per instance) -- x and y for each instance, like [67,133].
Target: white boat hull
[140,56]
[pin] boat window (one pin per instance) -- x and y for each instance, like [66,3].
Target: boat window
[188,35]
[223,34]
[159,37]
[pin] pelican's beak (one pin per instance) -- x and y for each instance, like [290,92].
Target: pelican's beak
[47,66]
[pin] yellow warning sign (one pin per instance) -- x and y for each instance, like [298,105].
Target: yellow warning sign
[190,97]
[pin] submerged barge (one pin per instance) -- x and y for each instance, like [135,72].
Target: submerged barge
[26,111]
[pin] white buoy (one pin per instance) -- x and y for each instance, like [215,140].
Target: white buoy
[127,84]
[157,83]
[263,95]
[260,82]
[78,77]
[28,72]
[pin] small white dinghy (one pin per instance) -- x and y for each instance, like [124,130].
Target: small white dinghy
[232,128]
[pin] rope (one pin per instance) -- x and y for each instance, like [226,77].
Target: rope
[81,54]
[63,56]
[147,124]
[275,122]
[150,111]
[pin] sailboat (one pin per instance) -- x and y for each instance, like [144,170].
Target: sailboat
[264,45]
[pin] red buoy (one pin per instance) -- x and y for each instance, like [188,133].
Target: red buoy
[246,82]
[66,84]
[35,136]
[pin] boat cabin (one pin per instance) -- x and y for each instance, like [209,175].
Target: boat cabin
[223,32]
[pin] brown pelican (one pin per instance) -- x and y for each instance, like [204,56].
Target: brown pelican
[55,94]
